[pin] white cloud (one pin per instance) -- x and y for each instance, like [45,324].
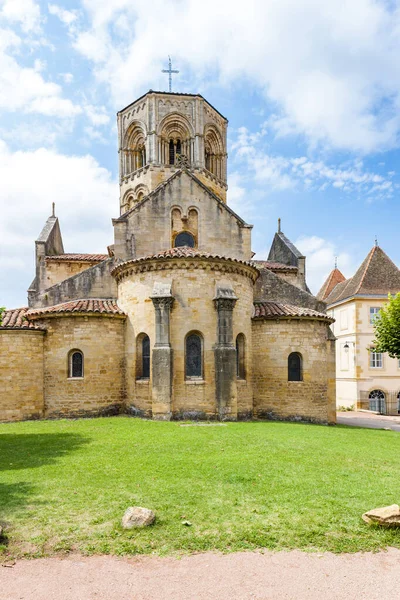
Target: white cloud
[24,88]
[331,68]
[85,211]
[67,77]
[66,16]
[321,255]
[24,12]
[280,173]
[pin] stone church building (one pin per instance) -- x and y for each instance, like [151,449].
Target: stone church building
[177,320]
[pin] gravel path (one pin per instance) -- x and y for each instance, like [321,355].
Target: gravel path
[368,420]
[241,576]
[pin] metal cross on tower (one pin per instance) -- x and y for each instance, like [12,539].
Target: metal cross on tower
[170,70]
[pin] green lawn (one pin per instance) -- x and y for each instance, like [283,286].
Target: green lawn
[64,486]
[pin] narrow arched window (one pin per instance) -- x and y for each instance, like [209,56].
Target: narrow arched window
[184,239]
[295,371]
[146,357]
[171,152]
[193,356]
[142,356]
[178,147]
[75,366]
[240,356]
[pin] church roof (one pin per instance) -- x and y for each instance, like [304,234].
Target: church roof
[93,306]
[180,252]
[78,257]
[15,319]
[330,283]
[376,276]
[277,310]
[172,94]
[284,251]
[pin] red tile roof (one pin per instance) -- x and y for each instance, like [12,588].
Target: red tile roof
[15,319]
[78,257]
[331,282]
[274,266]
[376,276]
[275,310]
[109,307]
[182,252]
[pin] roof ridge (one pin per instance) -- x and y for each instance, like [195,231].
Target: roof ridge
[369,258]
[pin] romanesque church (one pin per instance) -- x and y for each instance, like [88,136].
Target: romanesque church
[177,319]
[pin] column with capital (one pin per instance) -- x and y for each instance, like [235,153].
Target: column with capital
[225,356]
[162,357]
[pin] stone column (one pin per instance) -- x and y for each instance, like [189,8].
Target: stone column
[162,356]
[225,356]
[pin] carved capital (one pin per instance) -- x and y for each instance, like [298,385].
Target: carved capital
[225,303]
[163,301]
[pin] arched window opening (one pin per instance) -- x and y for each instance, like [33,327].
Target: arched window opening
[75,366]
[208,161]
[171,152]
[240,356]
[398,403]
[295,371]
[193,358]
[377,401]
[184,239]
[143,356]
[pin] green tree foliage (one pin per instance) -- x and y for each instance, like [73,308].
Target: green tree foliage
[387,328]
[2,311]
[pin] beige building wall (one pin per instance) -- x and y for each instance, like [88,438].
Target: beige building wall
[356,377]
[193,287]
[274,396]
[101,340]
[59,270]
[21,374]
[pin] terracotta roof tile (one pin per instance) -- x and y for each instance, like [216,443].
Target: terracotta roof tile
[97,305]
[275,310]
[15,319]
[274,266]
[331,282]
[376,276]
[182,252]
[78,257]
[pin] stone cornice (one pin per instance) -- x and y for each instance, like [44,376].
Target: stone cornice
[163,263]
[61,315]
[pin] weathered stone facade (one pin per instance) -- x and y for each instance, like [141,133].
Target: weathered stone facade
[177,320]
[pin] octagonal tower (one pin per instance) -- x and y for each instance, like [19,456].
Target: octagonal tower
[162,131]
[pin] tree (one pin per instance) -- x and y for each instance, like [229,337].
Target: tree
[387,328]
[2,311]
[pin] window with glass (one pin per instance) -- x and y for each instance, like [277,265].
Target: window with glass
[240,357]
[143,356]
[373,314]
[75,364]
[376,360]
[194,358]
[184,239]
[377,401]
[295,367]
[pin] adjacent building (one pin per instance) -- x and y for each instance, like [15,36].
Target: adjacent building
[364,378]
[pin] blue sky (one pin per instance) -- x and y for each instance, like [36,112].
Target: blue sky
[311,91]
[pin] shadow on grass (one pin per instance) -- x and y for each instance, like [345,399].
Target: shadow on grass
[30,450]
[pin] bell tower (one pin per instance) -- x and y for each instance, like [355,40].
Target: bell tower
[162,132]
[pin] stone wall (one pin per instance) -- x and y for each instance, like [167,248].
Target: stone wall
[95,282]
[59,270]
[313,398]
[101,340]
[21,374]
[193,310]
[147,229]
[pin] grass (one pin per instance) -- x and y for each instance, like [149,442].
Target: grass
[64,486]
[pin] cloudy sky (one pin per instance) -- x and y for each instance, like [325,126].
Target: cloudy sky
[311,90]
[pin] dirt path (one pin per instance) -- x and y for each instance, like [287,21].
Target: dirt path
[240,576]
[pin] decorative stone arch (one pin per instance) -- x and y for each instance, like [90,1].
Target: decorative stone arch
[134,147]
[214,151]
[141,191]
[128,200]
[175,139]
[182,223]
